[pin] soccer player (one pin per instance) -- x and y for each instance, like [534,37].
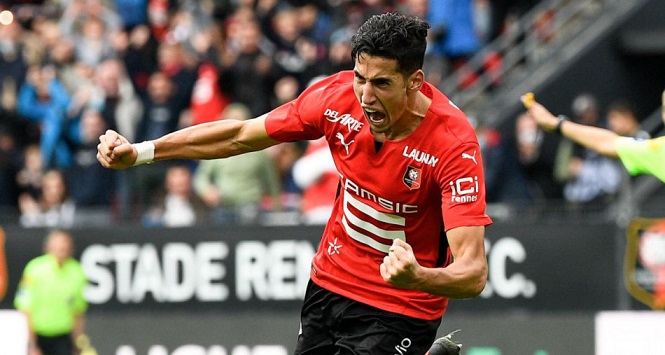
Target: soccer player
[407,230]
[639,156]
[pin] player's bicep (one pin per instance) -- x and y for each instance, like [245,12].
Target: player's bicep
[254,136]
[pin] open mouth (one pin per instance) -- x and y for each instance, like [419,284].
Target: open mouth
[375,118]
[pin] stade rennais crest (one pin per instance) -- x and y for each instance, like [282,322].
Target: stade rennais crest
[644,265]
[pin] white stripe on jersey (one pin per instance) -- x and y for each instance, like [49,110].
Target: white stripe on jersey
[368,226]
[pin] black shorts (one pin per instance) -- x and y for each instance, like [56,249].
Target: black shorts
[335,325]
[56,345]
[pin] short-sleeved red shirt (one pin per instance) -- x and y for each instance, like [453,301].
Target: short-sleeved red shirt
[414,189]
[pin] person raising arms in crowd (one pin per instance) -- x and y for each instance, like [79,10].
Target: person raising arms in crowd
[408,225]
[639,156]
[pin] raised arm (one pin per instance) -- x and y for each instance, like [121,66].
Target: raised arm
[218,139]
[598,139]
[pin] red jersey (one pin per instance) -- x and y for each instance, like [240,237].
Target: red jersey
[413,189]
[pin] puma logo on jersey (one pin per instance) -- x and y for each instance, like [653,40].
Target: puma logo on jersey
[420,157]
[345,119]
[471,157]
[346,145]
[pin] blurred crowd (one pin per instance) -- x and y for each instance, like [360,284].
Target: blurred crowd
[70,69]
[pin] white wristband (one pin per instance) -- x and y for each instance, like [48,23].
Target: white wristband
[145,152]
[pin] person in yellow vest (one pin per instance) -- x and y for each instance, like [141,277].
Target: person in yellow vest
[50,293]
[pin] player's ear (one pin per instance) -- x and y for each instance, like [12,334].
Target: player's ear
[415,81]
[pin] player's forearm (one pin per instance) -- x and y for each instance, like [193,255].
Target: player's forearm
[219,139]
[595,138]
[205,141]
[458,280]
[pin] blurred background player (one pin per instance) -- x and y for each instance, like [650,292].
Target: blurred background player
[50,293]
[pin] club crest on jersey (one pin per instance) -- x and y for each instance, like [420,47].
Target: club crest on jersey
[412,178]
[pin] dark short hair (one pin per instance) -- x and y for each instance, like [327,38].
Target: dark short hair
[393,36]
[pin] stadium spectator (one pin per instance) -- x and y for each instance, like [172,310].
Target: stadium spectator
[585,111]
[588,178]
[509,160]
[315,22]
[338,52]
[536,160]
[208,99]
[454,37]
[316,175]
[435,66]
[132,13]
[13,69]
[621,120]
[295,55]
[76,12]
[639,156]
[92,43]
[53,208]
[178,65]
[178,205]
[10,164]
[496,154]
[159,13]
[50,293]
[29,177]
[285,156]
[407,232]
[161,115]
[249,70]
[286,89]
[119,103]
[138,50]
[73,74]
[44,100]
[234,188]
[94,187]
